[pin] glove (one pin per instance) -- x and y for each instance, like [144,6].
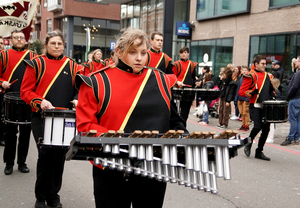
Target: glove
[254,92]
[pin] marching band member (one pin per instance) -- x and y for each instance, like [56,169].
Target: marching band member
[185,71]
[49,82]
[2,142]
[95,64]
[257,86]
[13,68]
[146,106]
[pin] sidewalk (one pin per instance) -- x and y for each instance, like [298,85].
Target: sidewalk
[281,129]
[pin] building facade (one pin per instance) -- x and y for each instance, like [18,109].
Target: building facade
[74,18]
[235,31]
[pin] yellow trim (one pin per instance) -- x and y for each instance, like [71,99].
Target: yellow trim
[261,86]
[16,66]
[137,97]
[162,55]
[186,71]
[53,80]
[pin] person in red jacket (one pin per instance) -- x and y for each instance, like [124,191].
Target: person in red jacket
[49,82]
[146,94]
[96,63]
[185,70]
[2,142]
[157,58]
[13,68]
[257,87]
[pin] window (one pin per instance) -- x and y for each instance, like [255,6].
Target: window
[219,52]
[49,25]
[45,3]
[281,3]
[207,9]
[280,47]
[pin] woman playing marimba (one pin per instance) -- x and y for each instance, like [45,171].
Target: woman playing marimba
[145,106]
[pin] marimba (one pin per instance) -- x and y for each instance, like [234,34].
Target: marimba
[194,160]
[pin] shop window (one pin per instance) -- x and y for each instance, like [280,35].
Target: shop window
[282,3]
[207,9]
[218,51]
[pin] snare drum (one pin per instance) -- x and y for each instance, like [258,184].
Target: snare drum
[59,127]
[16,111]
[275,111]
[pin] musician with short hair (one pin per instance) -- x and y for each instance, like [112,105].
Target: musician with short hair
[49,82]
[185,70]
[257,87]
[146,95]
[2,142]
[12,69]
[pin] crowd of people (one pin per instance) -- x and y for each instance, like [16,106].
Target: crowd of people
[146,77]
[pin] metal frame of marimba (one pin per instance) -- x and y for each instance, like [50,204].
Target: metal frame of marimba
[192,162]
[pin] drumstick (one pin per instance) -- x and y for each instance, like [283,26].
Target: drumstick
[60,108]
[13,81]
[187,85]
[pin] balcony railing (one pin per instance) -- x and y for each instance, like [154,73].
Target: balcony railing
[54,5]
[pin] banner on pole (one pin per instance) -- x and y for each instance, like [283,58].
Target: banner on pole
[17,14]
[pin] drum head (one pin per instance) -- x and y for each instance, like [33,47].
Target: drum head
[59,113]
[13,96]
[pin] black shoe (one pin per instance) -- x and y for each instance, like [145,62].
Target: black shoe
[23,168]
[286,142]
[55,205]
[2,143]
[260,155]
[247,150]
[8,169]
[40,204]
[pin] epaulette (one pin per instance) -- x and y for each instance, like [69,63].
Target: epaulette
[42,55]
[100,70]
[71,58]
[79,78]
[149,67]
[29,62]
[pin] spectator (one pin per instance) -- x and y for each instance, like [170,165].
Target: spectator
[207,84]
[278,72]
[228,89]
[243,103]
[293,96]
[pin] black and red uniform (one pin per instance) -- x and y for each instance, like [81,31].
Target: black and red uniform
[12,67]
[159,60]
[93,66]
[186,73]
[162,61]
[145,106]
[257,80]
[53,79]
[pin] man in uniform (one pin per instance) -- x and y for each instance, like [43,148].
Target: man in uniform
[185,71]
[162,61]
[12,68]
[2,143]
[257,86]
[156,58]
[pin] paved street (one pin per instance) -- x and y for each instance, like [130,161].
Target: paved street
[254,183]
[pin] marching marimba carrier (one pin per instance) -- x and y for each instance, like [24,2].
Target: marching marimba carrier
[194,160]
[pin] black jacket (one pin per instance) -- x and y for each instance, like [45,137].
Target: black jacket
[294,87]
[228,89]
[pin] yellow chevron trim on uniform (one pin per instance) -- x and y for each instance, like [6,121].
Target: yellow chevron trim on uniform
[162,55]
[262,85]
[16,66]
[137,97]
[53,80]
[187,69]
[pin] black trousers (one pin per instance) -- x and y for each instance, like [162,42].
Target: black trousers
[256,116]
[113,190]
[50,166]
[1,117]
[10,137]
[185,107]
